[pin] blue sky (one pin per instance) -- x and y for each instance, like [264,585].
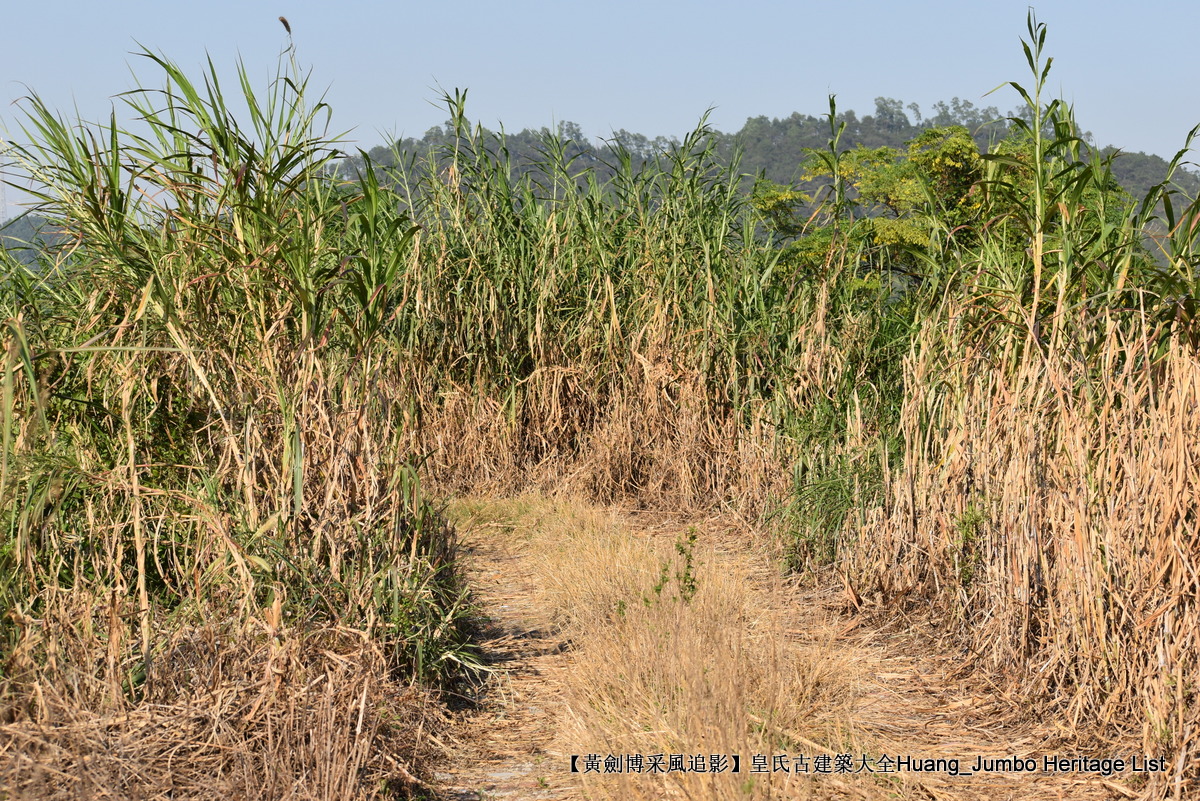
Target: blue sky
[652,67]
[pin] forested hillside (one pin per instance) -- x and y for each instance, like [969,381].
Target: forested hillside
[777,148]
[19,234]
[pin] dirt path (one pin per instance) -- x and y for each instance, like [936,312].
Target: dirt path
[505,739]
[622,636]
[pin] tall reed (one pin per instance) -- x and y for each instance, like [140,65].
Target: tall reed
[204,430]
[1045,505]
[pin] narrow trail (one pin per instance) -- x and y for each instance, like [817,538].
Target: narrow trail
[592,656]
[505,741]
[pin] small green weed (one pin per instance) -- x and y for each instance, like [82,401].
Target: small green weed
[685,574]
[967,556]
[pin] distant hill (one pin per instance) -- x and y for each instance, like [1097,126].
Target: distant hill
[1139,171]
[22,235]
[775,147]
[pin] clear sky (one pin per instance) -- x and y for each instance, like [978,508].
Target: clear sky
[652,66]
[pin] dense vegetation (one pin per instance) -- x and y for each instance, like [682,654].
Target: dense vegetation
[774,149]
[948,371]
[213,529]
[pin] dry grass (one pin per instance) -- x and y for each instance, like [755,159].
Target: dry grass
[1048,510]
[218,571]
[748,666]
[694,660]
[655,436]
[306,715]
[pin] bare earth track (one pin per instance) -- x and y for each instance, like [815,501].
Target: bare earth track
[504,740]
[875,689]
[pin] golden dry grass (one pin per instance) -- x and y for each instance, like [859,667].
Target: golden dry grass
[312,716]
[656,668]
[654,435]
[751,665]
[1047,512]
